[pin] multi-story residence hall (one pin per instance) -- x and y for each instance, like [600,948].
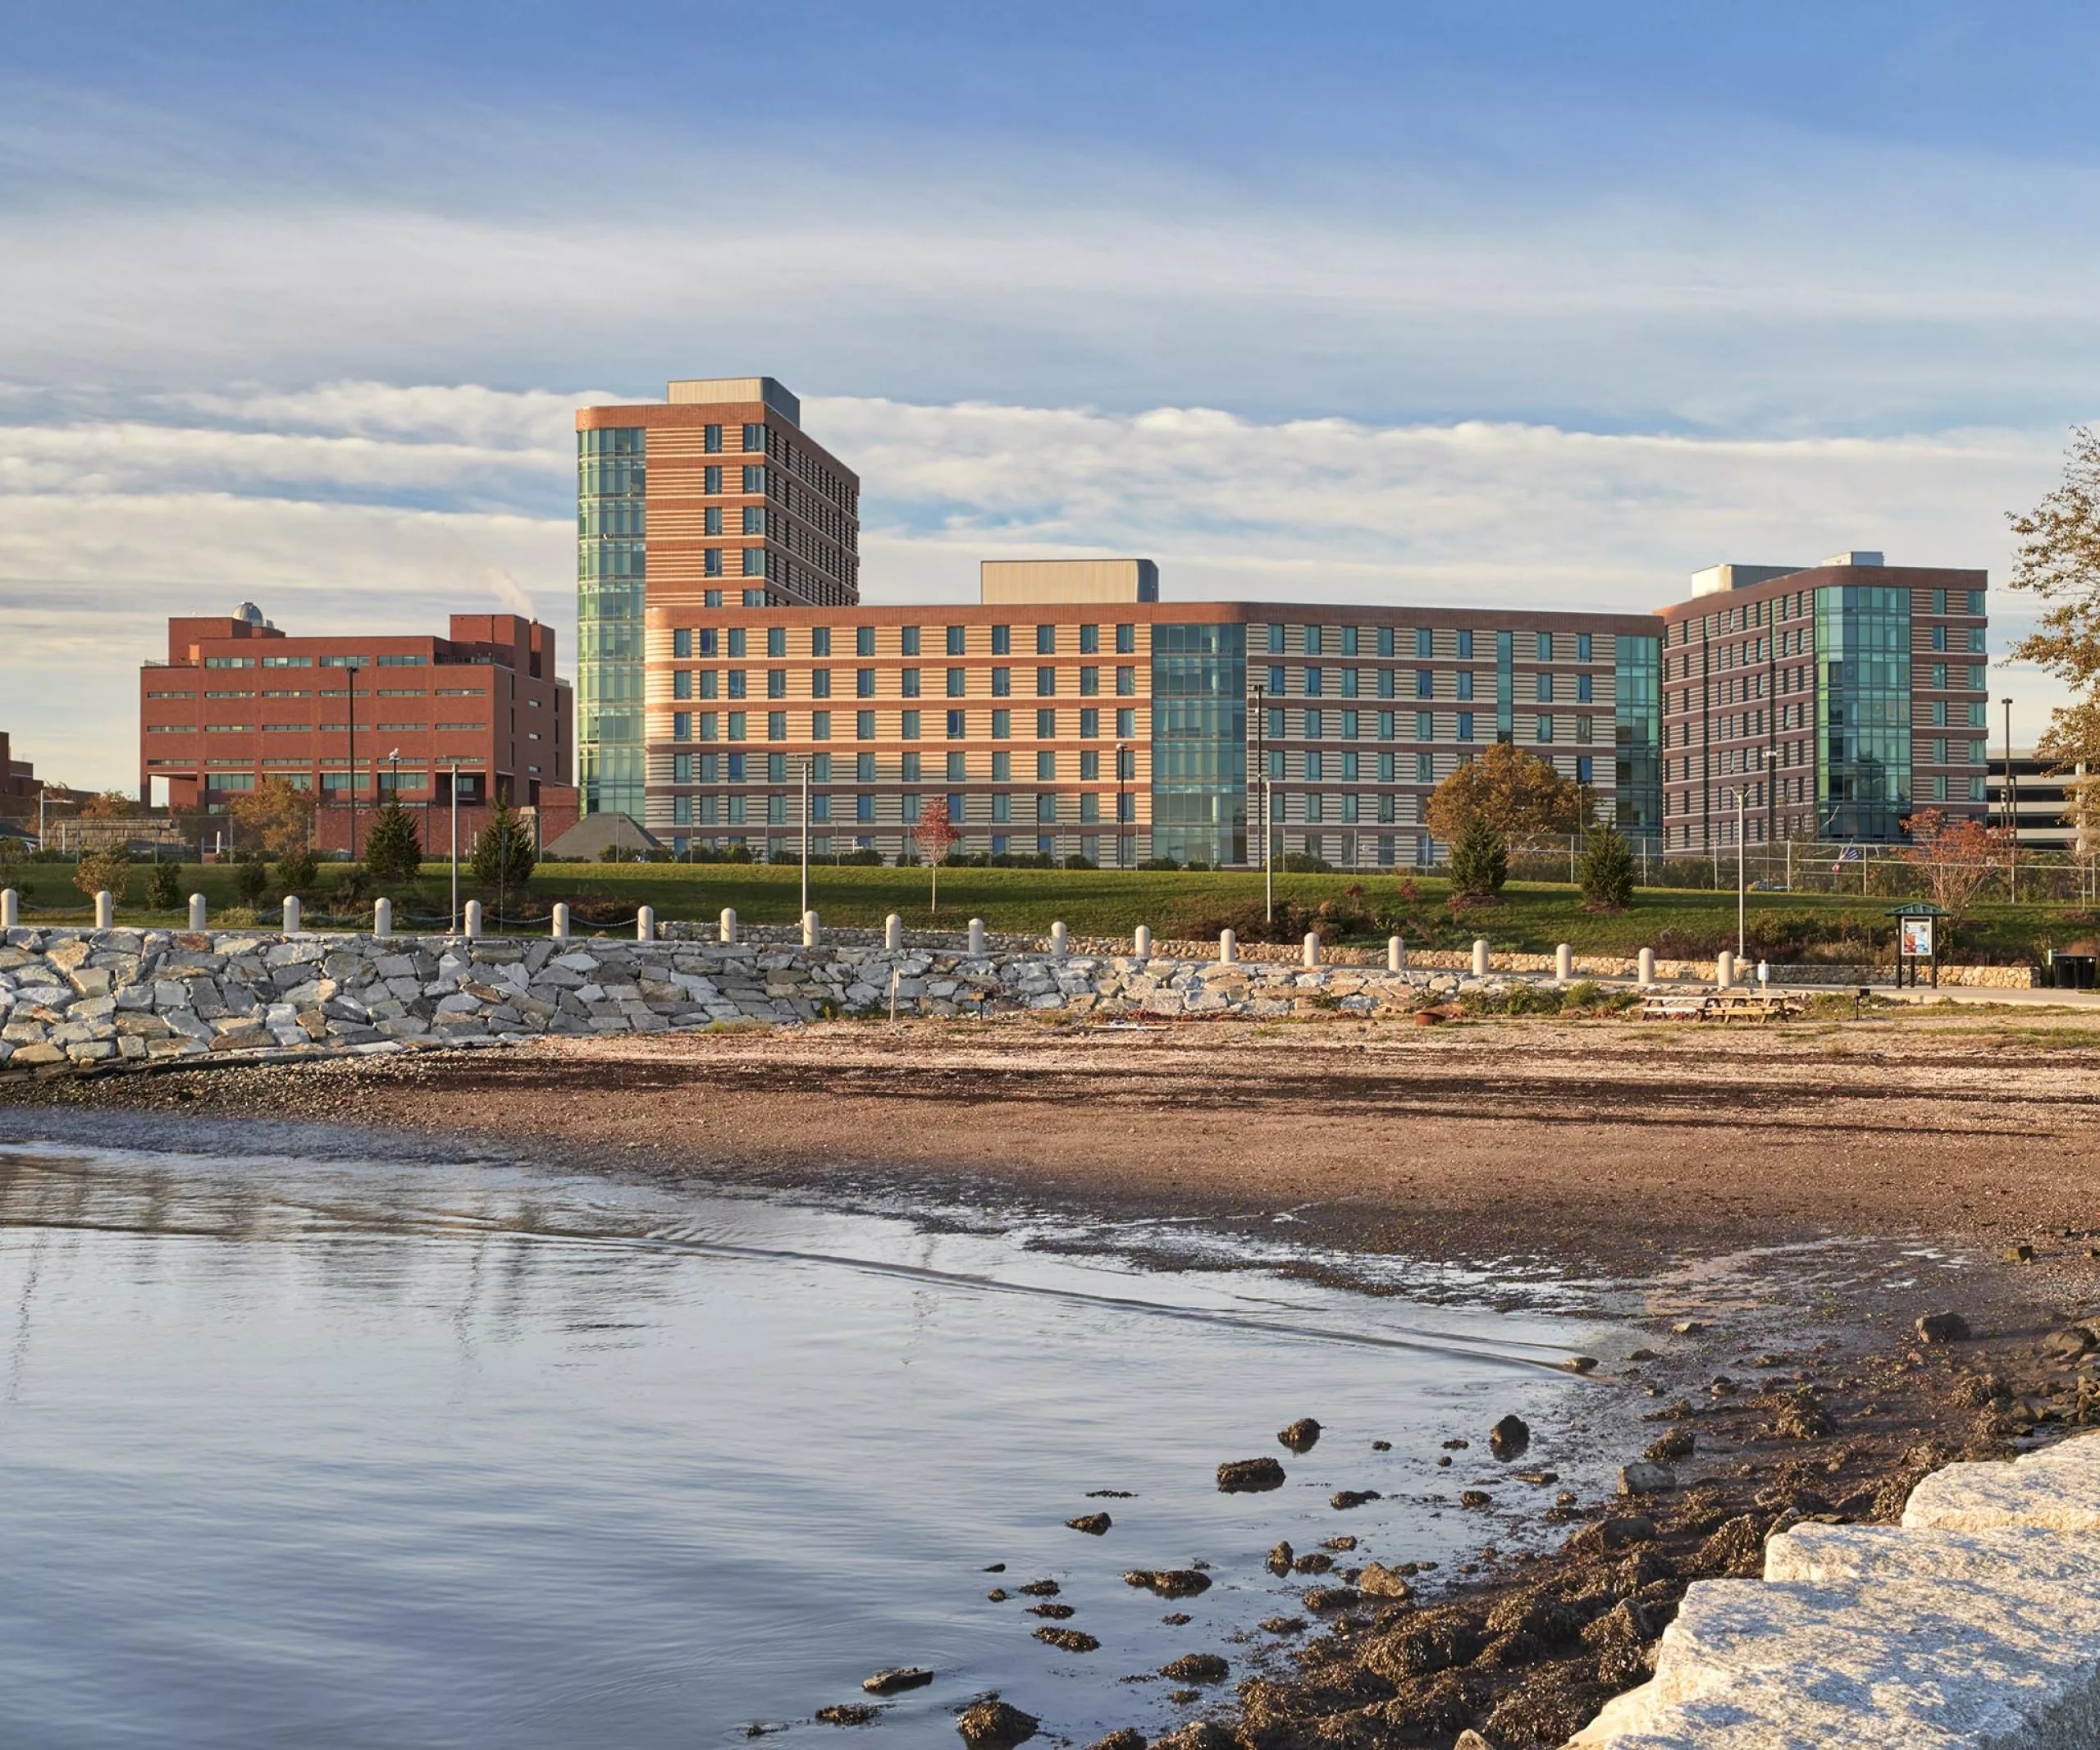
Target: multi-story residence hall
[1834,700]
[1071,712]
[359,715]
[712,497]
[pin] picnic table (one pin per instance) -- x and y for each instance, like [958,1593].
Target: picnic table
[1723,1005]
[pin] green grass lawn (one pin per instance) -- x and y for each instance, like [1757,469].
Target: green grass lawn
[1532,918]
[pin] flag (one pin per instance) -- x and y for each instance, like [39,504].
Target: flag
[1850,853]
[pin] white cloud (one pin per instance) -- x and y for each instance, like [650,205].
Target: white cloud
[108,526]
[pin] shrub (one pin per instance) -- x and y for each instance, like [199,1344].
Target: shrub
[107,870]
[1480,860]
[1583,994]
[164,887]
[394,854]
[1607,871]
[863,856]
[251,878]
[297,872]
[1080,862]
[1304,862]
[1159,862]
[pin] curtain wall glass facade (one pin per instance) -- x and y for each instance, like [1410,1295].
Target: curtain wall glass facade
[1638,692]
[1199,742]
[1863,712]
[611,468]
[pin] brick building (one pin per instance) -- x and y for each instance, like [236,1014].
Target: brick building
[358,717]
[714,495]
[18,782]
[1118,728]
[1835,699]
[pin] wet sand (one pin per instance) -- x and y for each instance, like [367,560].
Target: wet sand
[1830,1157]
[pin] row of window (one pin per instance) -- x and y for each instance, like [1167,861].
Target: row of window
[735,684]
[311,728]
[307,662]
[817,641]
[733,725]
[1386,683]
[1348,641]
[785,809]
[342,692]
[910,768]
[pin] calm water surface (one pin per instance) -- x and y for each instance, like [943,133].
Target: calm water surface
[319,1452]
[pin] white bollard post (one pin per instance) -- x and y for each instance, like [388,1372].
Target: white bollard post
[291,914]
[382,918]
[977,935]
[560,923]
[1312,948]
[892,934]
[473,919]
[11,908]
[728,927]
[1396,955]
[1479,956]
[1141,942]
[197,911]
[1724,968]
[105,910]
[1647,968]
[812,929]
[1563,963]
[1057,941]
[1764,974]
[645,924]
[1228,947]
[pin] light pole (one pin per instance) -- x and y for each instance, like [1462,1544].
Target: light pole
[1122,750]
[805,835]
[351,664]
[456,847]
[1262,780]
[2011,815]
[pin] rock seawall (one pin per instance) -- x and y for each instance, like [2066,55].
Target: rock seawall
[1974,1624]
[72,997]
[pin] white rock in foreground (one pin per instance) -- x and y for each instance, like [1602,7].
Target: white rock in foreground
[1974,1626]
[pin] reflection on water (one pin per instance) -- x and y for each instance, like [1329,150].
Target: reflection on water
[317,1452]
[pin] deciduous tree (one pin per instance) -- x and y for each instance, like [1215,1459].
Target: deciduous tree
[1521,795]
[2059,560]
[107,870]
[936,836]
[1958,856]
[277,815]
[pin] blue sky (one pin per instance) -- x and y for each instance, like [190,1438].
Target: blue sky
[1501,303]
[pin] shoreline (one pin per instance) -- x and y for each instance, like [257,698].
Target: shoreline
[1226,1126]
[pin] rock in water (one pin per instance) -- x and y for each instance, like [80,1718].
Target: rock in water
[1128,1738]
[1248,1476]
[1301,1435]
[1943,1328]
[1093,1524]
[1509,1438]
[1280,1558]
[1379,1581]
[1069,1640]
[1197,1668]
[1646,1479]
[1679,1443]
[1344,1499]
[1169,1582]
[898,1677]
[993,1725]
[849,1713]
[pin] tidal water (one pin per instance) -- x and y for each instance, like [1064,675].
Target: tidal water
[313,1451]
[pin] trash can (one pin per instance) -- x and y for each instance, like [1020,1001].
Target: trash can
[2074,971]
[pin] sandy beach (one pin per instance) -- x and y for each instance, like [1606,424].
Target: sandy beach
[1806,1192]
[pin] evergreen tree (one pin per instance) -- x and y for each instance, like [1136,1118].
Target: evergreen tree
[1607,871]
[392,854]
[297,871]
[504,857]
[164,887]
[1480,859]
[251,878]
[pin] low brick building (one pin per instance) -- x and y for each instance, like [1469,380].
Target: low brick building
[18,782]
[360,717]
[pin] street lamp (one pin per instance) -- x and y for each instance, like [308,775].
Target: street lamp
[455,848]
[350,667]
[805,835]
[2011,814]
[1742,852]
[1122,748]
[1261,781]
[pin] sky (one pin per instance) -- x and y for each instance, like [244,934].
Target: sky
[1499,304]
